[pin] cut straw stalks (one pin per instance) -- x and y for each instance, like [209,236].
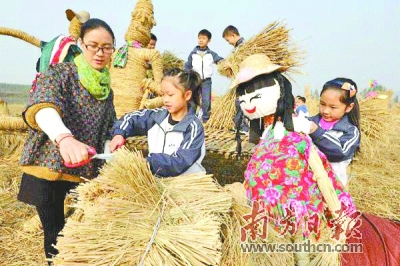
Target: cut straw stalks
[223,112]
[121,209]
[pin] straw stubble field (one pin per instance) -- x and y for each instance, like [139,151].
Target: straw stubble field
[374,184]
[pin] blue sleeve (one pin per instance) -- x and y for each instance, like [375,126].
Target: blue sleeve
[335,148]
[216,57]
[188,153]
[136,123]
[188,64]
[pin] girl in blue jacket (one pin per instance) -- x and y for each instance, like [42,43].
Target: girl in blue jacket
[175,135]
[336,129]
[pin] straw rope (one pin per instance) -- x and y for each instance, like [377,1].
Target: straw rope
[20,35]
[153,236]
[75,28]
[141,23]
[127,83]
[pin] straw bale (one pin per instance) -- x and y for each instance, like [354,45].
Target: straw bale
[129,83]
[274,41]
[20,35]
[124,205]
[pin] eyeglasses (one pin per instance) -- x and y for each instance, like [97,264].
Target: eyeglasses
[95,48]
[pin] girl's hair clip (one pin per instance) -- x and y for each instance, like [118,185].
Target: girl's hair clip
[349,87]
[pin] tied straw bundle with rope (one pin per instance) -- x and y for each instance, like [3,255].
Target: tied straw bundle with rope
[273,41]
[130,217]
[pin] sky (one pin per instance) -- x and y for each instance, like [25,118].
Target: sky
[356,39]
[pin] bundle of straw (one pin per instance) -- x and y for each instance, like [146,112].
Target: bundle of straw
[223,112]
[274,41]
[375,123]
[233,222]
[127,82]
[132,218]
[20,35]
[170,60]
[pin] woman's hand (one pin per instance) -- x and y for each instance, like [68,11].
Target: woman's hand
[117,142]
[72,151]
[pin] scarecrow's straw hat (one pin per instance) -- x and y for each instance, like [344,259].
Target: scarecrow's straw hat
[82,16]
[253,66]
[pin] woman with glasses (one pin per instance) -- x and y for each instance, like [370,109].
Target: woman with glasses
[70,108]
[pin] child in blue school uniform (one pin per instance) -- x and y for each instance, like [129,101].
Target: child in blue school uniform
[200,60]
[336,129]
[175,135]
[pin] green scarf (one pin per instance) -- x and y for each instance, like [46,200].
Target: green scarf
[94,81]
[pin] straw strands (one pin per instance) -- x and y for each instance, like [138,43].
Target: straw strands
[132,218]
[223,112]
[274,41]
[170,60]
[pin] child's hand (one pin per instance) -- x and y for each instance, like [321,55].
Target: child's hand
[117,142]
[314,127]
[301,125]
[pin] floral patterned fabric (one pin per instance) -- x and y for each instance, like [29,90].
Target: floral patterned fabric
[279,177]
[89,120]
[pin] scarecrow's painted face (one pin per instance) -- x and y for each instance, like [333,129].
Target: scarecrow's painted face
[259,96]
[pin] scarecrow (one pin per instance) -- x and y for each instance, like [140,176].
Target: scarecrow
[282,176]
[128,72]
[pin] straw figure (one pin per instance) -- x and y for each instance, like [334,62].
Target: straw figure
[287,177]
[128,71]
[273,41]
[130,217]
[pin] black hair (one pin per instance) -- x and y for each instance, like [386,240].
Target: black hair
[187,80]
[153,37]
[205,33]
[230,30]
[95,23]
[336,84]
[301,98]
[285,102]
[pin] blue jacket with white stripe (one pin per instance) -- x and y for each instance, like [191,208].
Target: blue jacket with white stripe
[173,150]
[340,142]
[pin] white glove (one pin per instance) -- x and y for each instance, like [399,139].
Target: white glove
[301,124]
